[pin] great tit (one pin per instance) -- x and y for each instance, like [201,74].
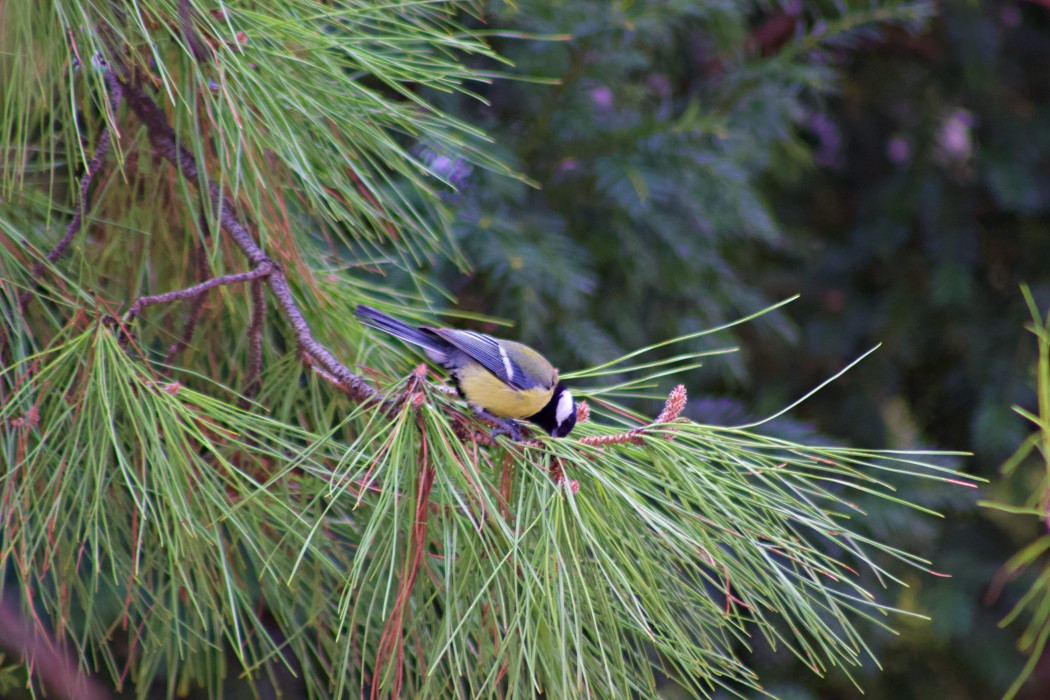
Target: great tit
[501,377]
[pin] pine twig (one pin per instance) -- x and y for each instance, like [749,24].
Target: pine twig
[392,643]
[255,338]
[165,142]
[673,407]
[197,305]
[262,270]
[199,48]
[76,223]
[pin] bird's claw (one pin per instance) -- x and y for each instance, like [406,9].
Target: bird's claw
[510,429]
[506,427]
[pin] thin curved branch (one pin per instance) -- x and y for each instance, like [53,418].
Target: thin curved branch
[166,143]
[255,338]
[197,304]
[94,166]
[198,47]
[262,270]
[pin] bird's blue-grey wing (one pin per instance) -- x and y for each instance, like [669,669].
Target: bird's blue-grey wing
[490,354]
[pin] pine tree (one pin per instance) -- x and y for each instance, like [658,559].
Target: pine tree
[212,471]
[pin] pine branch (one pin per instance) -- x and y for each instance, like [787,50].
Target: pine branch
[165,142]
[391,643]
[255,345]
[403,550]
[262,270]
[193,318]
[94,166]
[198,47]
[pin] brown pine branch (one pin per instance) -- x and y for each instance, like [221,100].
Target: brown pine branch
[198,47]
[200,256]
[76,223]
[392,642]
[255,338]
[263,269]
[166,143]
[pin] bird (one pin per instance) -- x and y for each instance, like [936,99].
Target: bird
[504,381]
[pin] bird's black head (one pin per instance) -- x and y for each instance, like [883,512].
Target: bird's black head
[558,417]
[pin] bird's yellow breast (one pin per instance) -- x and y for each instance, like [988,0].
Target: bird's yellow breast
[484,389]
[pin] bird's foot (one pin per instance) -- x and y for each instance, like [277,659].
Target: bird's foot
[510,428]
[506,426]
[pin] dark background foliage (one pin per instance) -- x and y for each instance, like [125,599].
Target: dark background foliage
[696,160]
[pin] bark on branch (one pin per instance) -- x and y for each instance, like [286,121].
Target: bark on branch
[77,222]
[166,143]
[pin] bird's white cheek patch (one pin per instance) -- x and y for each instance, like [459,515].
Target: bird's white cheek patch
[565,407]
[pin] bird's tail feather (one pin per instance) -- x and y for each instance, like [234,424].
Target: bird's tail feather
[387,324]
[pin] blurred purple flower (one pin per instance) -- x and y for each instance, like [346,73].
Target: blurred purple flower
[568,164]
[898,149]
[450,167]
[828,153]
[602,96]
[955,138]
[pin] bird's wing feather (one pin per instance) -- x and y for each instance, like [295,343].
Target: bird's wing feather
[492,356]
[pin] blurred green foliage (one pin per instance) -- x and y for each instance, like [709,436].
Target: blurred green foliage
[696,160]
